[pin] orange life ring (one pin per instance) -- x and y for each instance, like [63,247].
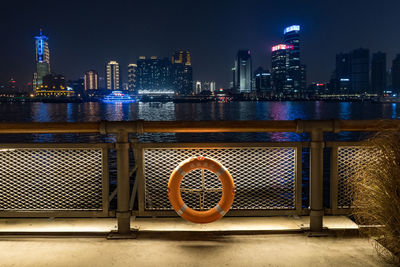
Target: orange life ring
[174,192]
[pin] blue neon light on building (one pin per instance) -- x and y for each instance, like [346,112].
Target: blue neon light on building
[40,46]
[291,28]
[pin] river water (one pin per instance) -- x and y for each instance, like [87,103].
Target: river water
[94,111]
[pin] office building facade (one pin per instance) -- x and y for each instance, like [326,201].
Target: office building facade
[262,80]
[378,73]
[112,76]
[291,36]
[91,80]
[342,77]
[182,72]
[395,72]
[154,76]
[243,72]
[281,80]
[132,69]
[303,77]
[352,72]
[360,67]
[163,75]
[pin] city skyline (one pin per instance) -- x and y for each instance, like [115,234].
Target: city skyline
[355,72]
[213,41]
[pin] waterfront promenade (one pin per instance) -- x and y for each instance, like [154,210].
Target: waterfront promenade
[270,241]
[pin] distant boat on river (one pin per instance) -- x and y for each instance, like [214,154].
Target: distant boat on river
[118,97]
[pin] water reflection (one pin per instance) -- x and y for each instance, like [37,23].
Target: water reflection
[394,111]
[344,109]
[70,112]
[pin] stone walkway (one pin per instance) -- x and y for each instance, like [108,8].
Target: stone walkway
[190,249]
[175,242]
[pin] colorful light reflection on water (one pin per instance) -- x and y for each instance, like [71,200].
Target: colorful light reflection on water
[92,111]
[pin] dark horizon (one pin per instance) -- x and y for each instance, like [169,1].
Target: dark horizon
[85,36]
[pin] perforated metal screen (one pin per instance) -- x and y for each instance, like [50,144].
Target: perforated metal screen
[351,159]
[264,177]
[50,179]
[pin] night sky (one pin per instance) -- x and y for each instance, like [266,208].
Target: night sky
[86,34]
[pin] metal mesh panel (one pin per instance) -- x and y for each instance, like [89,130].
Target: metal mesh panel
[264,177]
[351,159]
[50,179]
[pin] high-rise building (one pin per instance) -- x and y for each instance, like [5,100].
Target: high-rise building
[262,80]
[91,80]
[197,87]
[182,72]
[143,74]
[281,81]
[378,73]
[212,87]
[132,68]
[243,72]
[360,71]
[154,75]
[342,77]
[291,37]
[112,74]
[182,57]
[164,76]
[396,74]
[205,86]
[303,77]
[42,60]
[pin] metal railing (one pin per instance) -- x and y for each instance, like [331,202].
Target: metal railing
[267,177]
[49,180]
[71,180]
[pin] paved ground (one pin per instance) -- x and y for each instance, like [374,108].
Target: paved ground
[190,249]
[175,242]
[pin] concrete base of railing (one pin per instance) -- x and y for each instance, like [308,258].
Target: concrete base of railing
[131,235]
[102,227]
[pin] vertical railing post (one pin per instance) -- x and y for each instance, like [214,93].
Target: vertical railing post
[123,212]
[299,177]
[316,180]
[334,179]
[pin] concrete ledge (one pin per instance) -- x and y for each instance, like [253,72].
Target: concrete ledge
[229,225]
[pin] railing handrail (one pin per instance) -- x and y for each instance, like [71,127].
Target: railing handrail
[140,126]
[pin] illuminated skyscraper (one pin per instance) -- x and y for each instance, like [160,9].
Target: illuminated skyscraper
[291,36]
[91,80]
[154,75]
[132,68]
[212,87]
[112,74]
[303,77]
[243,72]
[281,80]
[182,57]
[197,87]
[262,81]
[182,72]
[42,60]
